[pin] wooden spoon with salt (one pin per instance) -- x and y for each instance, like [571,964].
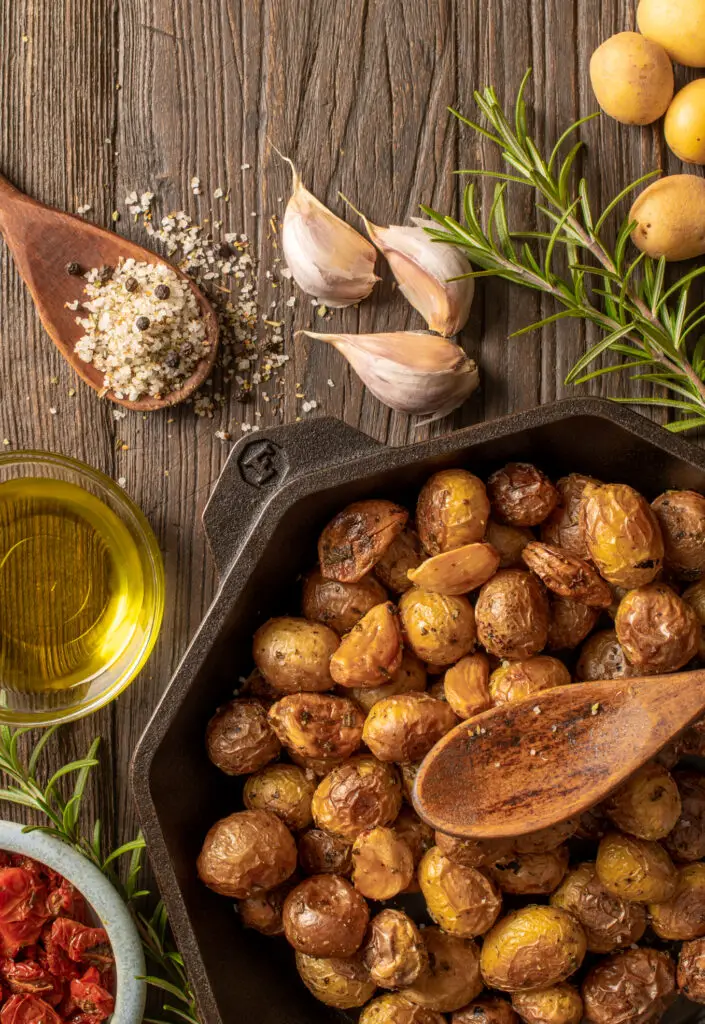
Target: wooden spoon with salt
[43,241]
[535,762]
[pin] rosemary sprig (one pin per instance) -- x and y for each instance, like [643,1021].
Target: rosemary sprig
[63,815]
[645,321]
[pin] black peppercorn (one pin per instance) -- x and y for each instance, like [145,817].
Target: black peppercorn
[171,359]
[162,291]
[105,273]
[73,268]
[142,323]
[131,284]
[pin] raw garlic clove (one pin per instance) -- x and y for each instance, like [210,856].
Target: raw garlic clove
[410,371]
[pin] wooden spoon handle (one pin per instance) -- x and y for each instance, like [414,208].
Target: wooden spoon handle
[9,196]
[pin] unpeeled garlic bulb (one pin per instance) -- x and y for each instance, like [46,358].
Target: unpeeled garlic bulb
[411,371]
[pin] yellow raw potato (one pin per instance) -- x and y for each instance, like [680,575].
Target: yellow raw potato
[632,78]
[457,571]
[678,25]
[684,126]
[462,900]
[371,652]
[466,685]
[670,218]
[534,947]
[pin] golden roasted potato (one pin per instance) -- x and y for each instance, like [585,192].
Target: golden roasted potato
[294,655]
[524,874]
[404,553]
[489,1009]
[509,542]
[686,840]
[567,575]
[404,728]
[325,916]
[657,630]
[682,917]
[466,685]
[457,571]
[359,794]
[452,510]
[247,853]
[473,853]
[394,1008]
[410,677]
[323,854]
[438,629]
[463,901]
[681,516]
[284,790]
[417,835]
[239,739]
[695,597]
[354,541]
[343,982]
[634,986]
[635,869]
[647,805]
[453,977]
[558,1004]
[546,839]
[534,947]
[691,970]
[514,680]
[512,615]
[569,623]
[371,652]
[609,922]
[263,913]
[383,864]
[339,605]
[317,724]
[521,495]
[562,528]
[622,534]
[394,952]
[602,657]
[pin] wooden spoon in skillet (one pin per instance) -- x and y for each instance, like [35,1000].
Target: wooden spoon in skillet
[43,241]
[535,762]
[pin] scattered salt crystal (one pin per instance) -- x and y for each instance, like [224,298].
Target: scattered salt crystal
[244,167]
[291,301]
[119,414]
[532,752]
[218,194]
[53,410]
[222,435]
[285,272]
[122,481]
[83,209]
[330,383]
[196,186]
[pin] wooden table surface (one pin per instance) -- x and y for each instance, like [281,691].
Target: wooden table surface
[100,97]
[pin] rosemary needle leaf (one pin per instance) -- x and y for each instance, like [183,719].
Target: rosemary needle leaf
[679,426]
[597,350]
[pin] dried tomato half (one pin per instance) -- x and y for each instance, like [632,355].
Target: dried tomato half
[28,1010]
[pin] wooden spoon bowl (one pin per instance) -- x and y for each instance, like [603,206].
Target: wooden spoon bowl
[43,241]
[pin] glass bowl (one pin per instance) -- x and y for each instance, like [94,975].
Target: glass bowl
[81,589]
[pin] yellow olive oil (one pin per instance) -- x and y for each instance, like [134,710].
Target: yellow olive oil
[71,585]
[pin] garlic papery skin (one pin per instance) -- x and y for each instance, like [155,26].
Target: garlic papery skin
[327,258]
[410,371]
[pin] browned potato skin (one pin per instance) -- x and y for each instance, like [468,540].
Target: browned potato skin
[691,970]
[622,534]
[634,986]
[404,728]
[410,677]
[524,874]
[521,494]
[453,978]
[452,510]
[343,982]
[318,766]
[681,516]
[602,657]
[546,839]
[473,853]
[247,853]
[558,1004]
[512,615]
[509,542]
[404,553]
[695,597]
[325,916]
[394,1008]
[647,805]
[569,623]
[371,652]
[439,629]
[593,824]
[562,528]
[323,854]
[530,948]
[463,901]
[359,794]
[317,724]
[566,575]
[635,869]
[284,790]
[394,952]
[686,841]
[383,864]
[294,654]
[408,774]
[417,835]
[263,913]
[466,685]
[657,630]
[239,739]
[608,921]
[486,1010]
[458,571]
[355,540]
[257,687]
[683,916]
[516,680]
[339,605]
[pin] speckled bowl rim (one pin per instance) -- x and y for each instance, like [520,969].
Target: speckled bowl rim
[130,990]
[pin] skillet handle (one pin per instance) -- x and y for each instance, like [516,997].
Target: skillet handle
[260,464]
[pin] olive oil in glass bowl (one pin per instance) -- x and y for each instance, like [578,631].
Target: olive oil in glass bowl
[81,589]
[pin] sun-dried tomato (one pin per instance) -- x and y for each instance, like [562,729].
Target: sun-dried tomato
[21,1009]
[84,945]
[28,977]
[88,995]
[64,900]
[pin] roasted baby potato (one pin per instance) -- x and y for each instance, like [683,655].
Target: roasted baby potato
[509,542]
[569,623]
[691,970]
[453,977]
[417,835]
[521,495]
[263,913]
[602,657]
[686,840]
[338,605]
[239,739]
[463,901]
[343,982]
[695,597]
[247,853]
[410,677]
[317,724]
[533,947]
[487,1009]
[359,794]
[567,575]
[558,1004]
[354,541]
[593,824]
[515,680]
[647,805]
[323,854]
[404,728]
[325,916]
[562,528]
[622,534]
[512,615]
[394,952]
[404,553]
[681,516]
[473,853]
[371,652]
[466,685]
[609,922]
[635,869]
[452,510]
[545,839]
[395,1008]
[457,571]
[383,864]
[284,790]
[438,629]
[657,630]
[635,986]
[682,916]
[523,874]
[294,655]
